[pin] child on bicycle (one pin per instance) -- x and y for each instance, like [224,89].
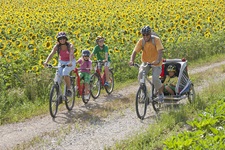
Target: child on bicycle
[101,51]
[85,67]
[65,52]
[170,81]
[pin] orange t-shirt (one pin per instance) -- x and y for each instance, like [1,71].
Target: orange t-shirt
[150,52]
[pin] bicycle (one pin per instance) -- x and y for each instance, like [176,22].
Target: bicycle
[80,87]
[57,95]
[143,97]
[98,80]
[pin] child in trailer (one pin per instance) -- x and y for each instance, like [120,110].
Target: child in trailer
[170,82]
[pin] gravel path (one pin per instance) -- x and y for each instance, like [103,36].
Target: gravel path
[96,134]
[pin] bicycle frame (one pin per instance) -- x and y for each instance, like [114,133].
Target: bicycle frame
[143,83]
[80,86]
[58,82]
[98,71]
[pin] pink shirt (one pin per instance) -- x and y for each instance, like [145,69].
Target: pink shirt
[64,55]
[84,65]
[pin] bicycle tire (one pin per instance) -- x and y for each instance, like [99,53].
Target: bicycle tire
[95,85]
[191,94]
[141,102]
[54,100]
[71,100]
[83,95]
[109,89]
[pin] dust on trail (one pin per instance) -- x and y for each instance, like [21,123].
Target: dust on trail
[98,133]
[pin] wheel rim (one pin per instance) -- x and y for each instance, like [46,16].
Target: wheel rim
[191,95]
[109,88]
[54,101]
[71,100]
[95,86]
[141,103]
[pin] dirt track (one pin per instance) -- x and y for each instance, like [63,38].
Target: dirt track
[96,134]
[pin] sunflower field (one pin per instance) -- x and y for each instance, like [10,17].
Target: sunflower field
[28,29]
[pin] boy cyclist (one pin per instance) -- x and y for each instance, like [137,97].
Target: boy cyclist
[85,67]
[101,51]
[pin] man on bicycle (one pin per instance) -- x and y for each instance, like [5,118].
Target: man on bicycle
[101,51]
[152,50]
[65,52]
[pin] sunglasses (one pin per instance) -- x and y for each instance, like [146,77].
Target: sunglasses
[145,34]
[62,38]
[101,41]
[86,56]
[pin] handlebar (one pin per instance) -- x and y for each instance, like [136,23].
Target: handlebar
[56,67]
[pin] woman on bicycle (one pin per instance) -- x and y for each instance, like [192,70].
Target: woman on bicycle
[85,67]
[101,51]
[65,52]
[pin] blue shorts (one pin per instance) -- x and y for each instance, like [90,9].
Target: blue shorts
[66,71]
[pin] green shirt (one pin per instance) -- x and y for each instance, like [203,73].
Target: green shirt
[100,53]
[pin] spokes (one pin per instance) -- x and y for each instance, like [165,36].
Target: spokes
[141,102]
[95,86]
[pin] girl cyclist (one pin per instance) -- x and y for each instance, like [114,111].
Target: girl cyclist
[85,67]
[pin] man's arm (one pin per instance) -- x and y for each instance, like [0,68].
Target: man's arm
[132,57]
[160,53]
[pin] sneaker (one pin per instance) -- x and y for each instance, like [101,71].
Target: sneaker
[161,98]
[69,93]
[106,84]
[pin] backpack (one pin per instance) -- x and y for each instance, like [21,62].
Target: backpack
[153,35]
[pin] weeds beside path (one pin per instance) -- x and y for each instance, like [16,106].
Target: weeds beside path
[81,129]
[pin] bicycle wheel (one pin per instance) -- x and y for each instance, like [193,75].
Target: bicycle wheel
[84,99]
[95,85]
[141,102]
[71,100]
[191,94]
[109,88]
[54,100]
[155,102]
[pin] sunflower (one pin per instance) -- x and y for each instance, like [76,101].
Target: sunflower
[2,45]
[35,68]
[199,27]
[54,62]
[48,45]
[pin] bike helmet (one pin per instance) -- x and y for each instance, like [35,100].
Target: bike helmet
[146,30]
[61,34]
[85,53]
[99,38]
[171,68]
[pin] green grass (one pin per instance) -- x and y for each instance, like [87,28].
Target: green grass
[176,121]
